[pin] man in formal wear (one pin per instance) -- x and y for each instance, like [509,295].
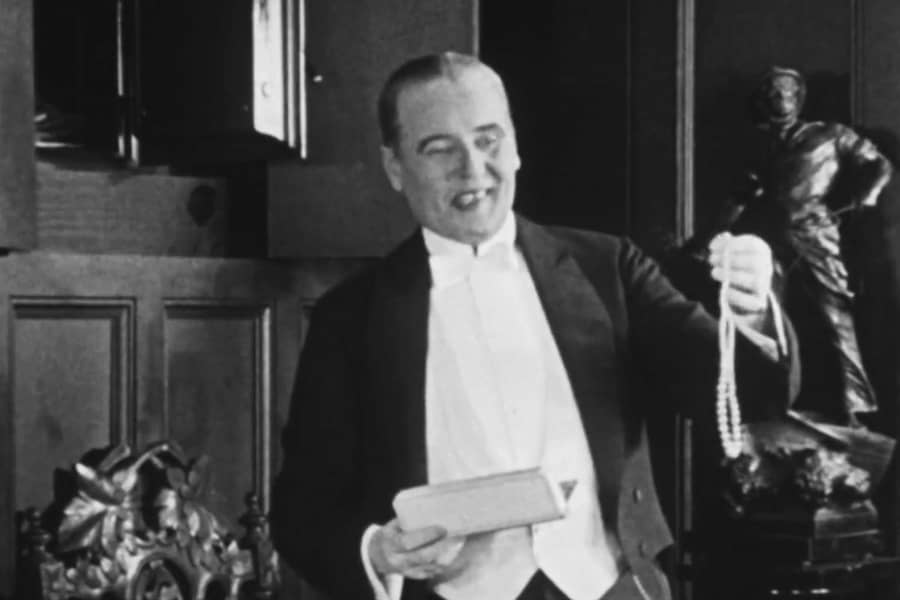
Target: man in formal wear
[486,343]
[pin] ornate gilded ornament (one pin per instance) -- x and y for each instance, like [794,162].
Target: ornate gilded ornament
[137,530]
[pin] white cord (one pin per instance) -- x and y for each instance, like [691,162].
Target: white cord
[727,408]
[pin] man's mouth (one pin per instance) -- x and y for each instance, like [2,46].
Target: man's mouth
[469,199]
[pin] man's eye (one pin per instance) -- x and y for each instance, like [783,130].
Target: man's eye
[487,142]
[438,149]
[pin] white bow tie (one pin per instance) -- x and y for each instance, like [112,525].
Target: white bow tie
[447,269]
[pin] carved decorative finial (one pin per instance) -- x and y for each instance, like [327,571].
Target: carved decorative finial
[265,559]
[253,520]
[37,537]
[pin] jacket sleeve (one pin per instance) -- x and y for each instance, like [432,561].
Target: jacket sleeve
[317,521]
[672,335]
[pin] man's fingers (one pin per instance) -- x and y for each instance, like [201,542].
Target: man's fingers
[744,303]
[754,262]
[738,251]
[393,550]
[738,246]
[748,261]
[422,572]
[448,549]
[426,562]
[417,538]
[746,281]
[437,553]
[750,270]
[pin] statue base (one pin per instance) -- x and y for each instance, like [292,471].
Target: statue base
[814,535]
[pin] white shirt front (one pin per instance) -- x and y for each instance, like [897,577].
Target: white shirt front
[498,399]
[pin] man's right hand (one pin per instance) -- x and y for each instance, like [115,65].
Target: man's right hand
[417,554]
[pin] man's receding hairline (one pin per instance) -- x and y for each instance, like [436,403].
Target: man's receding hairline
[451,67]
[456,72]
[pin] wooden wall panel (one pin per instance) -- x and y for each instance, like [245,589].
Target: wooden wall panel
[96,349]
[17,227]
[72,362]
[125,213]
[217,395]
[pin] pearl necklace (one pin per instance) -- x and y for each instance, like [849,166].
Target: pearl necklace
[727,409]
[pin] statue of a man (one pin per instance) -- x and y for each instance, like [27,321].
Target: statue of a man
[807,173]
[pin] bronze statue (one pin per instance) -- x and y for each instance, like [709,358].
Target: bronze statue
[801,490]
[815,469]
[804,174]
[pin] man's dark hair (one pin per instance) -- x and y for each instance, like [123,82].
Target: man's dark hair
[418,70]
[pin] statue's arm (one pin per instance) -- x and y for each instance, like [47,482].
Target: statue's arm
[872,169]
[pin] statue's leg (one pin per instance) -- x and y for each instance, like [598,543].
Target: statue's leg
[859,396]
[829,285]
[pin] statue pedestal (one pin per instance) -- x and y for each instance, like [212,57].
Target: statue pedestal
[813,535]
[828,553]
[816,522]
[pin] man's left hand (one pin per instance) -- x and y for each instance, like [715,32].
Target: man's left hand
[750,272]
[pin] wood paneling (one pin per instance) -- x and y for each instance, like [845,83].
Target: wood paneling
[333,210]
[130,213]
[72,389]
[17,225]
[97,349]
[218,395]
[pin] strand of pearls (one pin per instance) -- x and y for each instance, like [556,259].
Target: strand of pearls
[727,409]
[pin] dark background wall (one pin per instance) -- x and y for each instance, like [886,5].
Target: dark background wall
[736,41]
[878,95]
[566,68]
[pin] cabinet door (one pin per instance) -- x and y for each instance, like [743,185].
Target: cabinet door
[216,81]
[100,350]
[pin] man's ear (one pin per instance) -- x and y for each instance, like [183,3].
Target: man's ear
[516,158]
[392,167]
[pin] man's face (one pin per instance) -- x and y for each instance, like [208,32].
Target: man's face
[783,96]
[456,159]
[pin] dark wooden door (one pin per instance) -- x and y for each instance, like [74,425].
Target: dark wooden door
[98,350]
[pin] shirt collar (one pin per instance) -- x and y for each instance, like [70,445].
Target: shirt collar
[439,245]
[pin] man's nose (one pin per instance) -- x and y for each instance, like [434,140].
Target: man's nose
[473,163]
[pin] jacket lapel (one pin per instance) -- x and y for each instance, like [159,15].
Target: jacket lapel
[397,347]
[584,334]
